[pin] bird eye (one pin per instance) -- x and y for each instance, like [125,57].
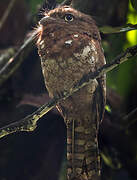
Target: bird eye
[69,17]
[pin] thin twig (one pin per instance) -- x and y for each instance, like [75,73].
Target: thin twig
[7,12]
[120,29]
[29,123]
[5,55]
[12,65]
[130,119]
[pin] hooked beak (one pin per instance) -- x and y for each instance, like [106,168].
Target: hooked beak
[46,19]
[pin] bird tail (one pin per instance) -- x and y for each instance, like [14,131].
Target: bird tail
[83,161]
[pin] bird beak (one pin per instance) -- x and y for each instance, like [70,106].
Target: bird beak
[46,19]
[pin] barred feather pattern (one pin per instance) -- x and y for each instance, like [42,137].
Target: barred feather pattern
[82,144]
[69,49]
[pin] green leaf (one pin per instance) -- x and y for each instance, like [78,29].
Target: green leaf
[109,161]
[108,108]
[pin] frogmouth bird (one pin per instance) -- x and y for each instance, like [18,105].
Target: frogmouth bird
[69,46]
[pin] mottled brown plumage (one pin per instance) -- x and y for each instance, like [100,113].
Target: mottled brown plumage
[69,46]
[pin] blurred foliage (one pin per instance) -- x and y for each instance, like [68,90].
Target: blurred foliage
[34,5]
[132,18]
[125,73]
[59,1]
[45,145]
[134,4]
[108,108]
[63,170]
[121,79]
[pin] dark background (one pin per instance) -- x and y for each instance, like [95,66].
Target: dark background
[40,155]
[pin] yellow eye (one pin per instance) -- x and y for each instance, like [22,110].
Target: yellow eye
[69,17]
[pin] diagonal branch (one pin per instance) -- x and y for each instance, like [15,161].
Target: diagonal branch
[130,119]
[7,12]
[12,65]
[120,29]
[29,123]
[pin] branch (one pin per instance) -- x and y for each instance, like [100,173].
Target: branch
[7,12]
[6,54]
[129,119]
[120,29]
[12,65]
[29,123]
